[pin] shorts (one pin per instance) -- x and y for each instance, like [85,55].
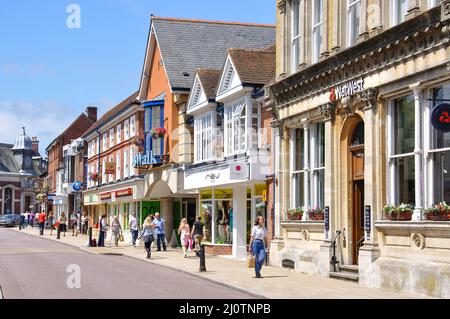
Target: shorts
[198,237]
[62,228]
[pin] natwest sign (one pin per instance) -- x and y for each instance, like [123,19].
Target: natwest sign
[105,196]
[124,192]
[347,89]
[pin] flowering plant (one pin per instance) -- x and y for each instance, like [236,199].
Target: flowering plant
[94,176]
[40,197]
[439,211]
[316,213]
[401,212]
[159,131]
[295,214]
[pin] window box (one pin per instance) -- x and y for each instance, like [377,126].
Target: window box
[438,212]
[402,212]
[295,214]
[316,214]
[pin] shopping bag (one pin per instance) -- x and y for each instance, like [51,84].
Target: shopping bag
[251,261]
[121,238]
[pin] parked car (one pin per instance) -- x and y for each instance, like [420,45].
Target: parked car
[9,220]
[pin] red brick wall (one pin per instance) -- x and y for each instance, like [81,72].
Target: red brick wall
[16,207]
[270,209]
[218,250]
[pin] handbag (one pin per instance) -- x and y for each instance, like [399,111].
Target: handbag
[121,238]
[251,261]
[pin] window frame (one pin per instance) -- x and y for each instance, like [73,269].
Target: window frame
[295,39]
[119,133]
[398,16]
[317,26]
[148,126]
[350,23]
[230,127]
[203,137]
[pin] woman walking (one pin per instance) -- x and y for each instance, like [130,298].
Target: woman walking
[147,235]
[84,224]
[184,232]
[102,233]
[50,222]
[258,244]
[63,223]
[116,230]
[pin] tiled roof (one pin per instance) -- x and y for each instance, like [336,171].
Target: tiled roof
[112,112]
[254,66]
[187,45]
[209,80]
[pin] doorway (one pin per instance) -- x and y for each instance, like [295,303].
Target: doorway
[357,181]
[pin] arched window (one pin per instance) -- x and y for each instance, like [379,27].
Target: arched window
[8,200]
[358,137]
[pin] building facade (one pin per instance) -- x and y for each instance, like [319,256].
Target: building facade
[358,85]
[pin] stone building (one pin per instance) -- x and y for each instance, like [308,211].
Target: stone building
[359,84]
[20,167]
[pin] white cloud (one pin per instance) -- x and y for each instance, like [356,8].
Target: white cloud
[45,120]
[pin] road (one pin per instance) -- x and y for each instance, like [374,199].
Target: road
[31,267]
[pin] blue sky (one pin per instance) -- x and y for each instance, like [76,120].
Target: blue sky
[49,73]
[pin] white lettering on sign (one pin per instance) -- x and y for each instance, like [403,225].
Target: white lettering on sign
[347,89]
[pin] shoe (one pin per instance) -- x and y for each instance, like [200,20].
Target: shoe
[185,256]
[158,250]
[258,276]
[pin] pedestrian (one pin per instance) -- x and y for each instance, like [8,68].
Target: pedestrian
[27,218]
[147,235]
[184,232]
[116,231]
[50,222]
[32,219]
[21,221]
[62,227]
[73,222]
[134,228]
[159,223]
[84,223]
[41,223]
[198,233]
[258,244]
[103,225]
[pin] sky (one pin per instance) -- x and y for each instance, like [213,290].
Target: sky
[53,65]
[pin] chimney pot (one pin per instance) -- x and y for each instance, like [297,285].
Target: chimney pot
[91,112]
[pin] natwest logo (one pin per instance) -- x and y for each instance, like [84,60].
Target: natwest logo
[347,89]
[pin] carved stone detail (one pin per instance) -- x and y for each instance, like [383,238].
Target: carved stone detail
[418,241]
[445,10]
[368,98]
[327,110]
[282,6]
[306,235]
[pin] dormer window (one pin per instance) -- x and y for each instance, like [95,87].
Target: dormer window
[235,128]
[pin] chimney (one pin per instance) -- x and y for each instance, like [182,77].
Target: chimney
[91,112]
[35,145]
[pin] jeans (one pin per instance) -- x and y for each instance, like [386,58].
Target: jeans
[134,236]
[101,239]
[259,252]
[148,248]
[161,238]
[41,228]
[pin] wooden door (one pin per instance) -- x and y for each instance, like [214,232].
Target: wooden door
[358,217]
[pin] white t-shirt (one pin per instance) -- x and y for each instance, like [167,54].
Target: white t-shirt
[133,223]
[259,232]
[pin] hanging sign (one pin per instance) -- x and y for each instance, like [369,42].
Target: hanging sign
[124,192]
[110,168]
[440,117]
[238,171]
[347,89]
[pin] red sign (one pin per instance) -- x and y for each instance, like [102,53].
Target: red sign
[124,192]
[105,196]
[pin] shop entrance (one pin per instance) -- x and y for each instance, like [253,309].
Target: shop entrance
[357,181]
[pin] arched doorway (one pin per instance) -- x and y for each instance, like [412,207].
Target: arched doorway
[356,153]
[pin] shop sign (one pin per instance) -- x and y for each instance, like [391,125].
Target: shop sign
[105,196]
[110,168]
[347,89]
[142,159]
[367,220]
[77,186]
[238,171]
[124,192]
[264,195]
[440,117]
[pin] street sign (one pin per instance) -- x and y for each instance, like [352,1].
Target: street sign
[327,221]
[264,195]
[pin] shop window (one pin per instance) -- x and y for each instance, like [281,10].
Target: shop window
[353,21]
[206,214]
[295,41]
[317,29]
[223,221]
[440,150]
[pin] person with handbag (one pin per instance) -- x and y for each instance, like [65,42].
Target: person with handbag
[259,244]
[147,235]
[103,227]
[116,231]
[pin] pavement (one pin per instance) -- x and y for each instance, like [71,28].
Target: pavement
[276,283]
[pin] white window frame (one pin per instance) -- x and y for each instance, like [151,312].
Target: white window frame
[126,163]
[351,24]
[126,126]
[118,167]
[230,123]
[316,30]
[433,3]
[119,134]
[295,38]
[111,137]
[203,132]
[133,126]
[104,171]
[132,154]
[398,17]
[111,176]
[105,141]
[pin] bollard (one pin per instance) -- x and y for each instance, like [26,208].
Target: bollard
[90,236]
[58,232]
[202,258]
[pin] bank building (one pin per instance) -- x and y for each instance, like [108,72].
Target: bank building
[361,103]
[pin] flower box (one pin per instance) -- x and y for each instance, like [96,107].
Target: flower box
[158,132]
[440,216]
[401,212]
[316,214]
[294,214]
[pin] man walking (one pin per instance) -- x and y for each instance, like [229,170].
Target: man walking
[134,228]
[159,226]
[198,233]
[41,221]
[21,221]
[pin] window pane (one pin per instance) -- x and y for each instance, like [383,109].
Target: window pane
[207,214]
[321,188]
[295,18]
[441,177]
[404,125]
[406,180]
[320,144]
[299,182]
[223,210]
[299,151]
[439,96]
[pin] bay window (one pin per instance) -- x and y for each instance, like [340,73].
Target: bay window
[235,128]
[317,29]
[203,126]
[126,129]
[353,21]
[295,41]
[399,9]
[154,122]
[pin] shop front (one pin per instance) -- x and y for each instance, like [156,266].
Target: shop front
[229,201]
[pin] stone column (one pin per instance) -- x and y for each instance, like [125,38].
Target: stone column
[303,38]
[336,37]
[374,14]
[418,154]
[325,30]
[167,214]
[185,132]
[362,32]
[307,169]
[239,221]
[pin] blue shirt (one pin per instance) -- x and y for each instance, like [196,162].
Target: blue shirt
[159,226]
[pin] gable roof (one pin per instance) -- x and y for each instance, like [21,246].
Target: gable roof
[254,66]
[209,79]
[187,45]
[113,112]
